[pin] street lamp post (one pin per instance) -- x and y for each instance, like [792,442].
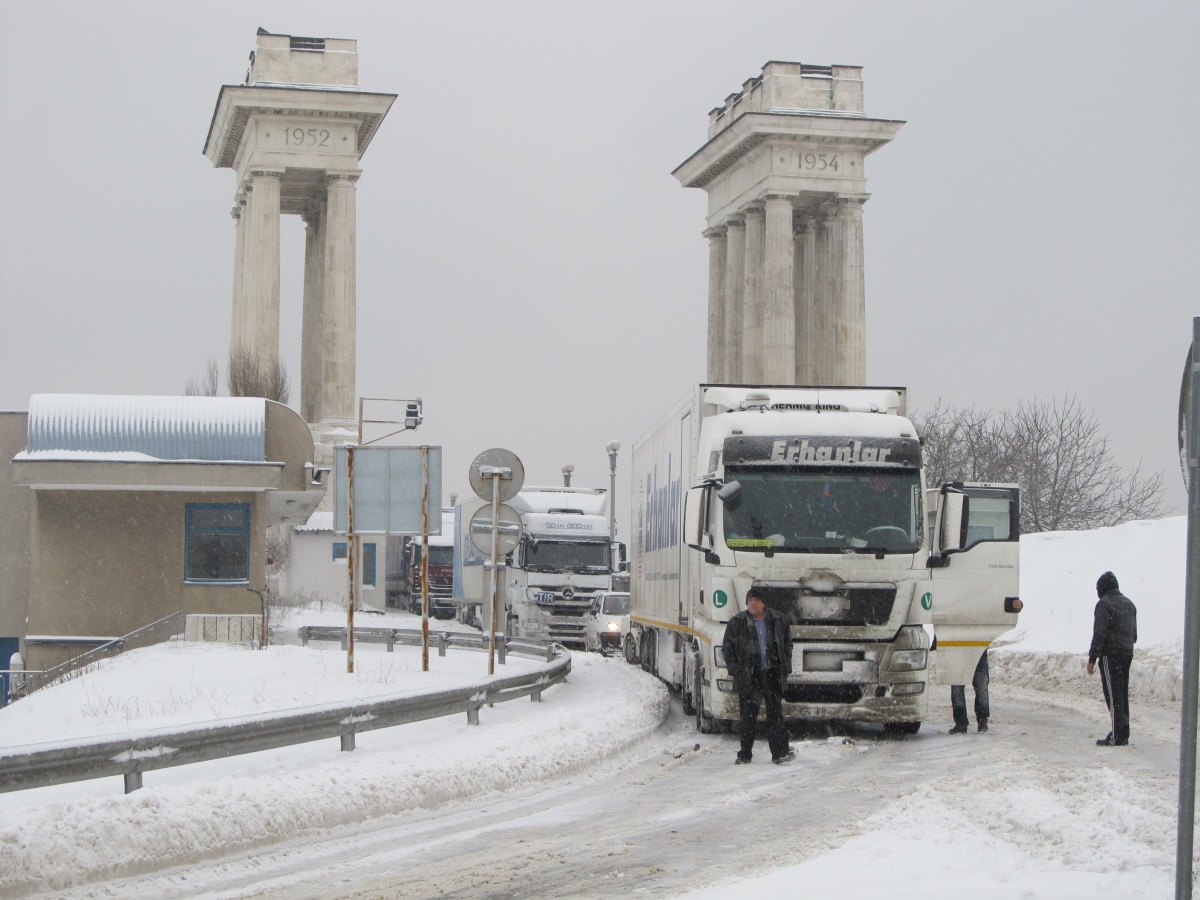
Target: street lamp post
[612,448]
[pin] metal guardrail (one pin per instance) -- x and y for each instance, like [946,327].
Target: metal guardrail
[154,633]
[411,637]
[40,765]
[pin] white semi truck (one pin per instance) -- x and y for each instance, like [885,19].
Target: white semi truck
[816,496]
[563,562]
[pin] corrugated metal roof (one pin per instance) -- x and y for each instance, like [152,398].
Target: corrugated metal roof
[205,428]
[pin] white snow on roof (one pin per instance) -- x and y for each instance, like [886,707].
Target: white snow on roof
[321,520]
[176,428]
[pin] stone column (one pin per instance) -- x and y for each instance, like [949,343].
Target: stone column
[261,264]
[824,315]
[804,243]
[338,317]
[851,292]
[312,354]
[779,324]
[237,328]
[735,286]
[716,304]
[754,300]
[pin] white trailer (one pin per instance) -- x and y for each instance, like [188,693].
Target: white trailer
[563,562]
[816,496]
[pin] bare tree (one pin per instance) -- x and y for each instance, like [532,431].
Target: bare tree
[1054,450]
[208,386]
[250,376]
[1068,477]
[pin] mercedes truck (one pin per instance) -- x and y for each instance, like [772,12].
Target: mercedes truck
[548,583]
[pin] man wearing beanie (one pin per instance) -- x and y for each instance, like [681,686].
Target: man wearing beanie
[1113,637]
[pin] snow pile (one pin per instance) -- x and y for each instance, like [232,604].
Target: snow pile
[1048,649]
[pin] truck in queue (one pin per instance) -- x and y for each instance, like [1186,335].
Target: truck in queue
[404,571]
[564,561]
[816,496]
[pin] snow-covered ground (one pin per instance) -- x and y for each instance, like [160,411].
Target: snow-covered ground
[1039,834]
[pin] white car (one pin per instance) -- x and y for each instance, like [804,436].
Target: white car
[602,624]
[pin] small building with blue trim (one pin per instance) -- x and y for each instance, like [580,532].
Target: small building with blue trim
[121,510]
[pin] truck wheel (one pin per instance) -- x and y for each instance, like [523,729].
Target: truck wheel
[691,695]
[649,650]
[704,722]
[899,728]
[631,650]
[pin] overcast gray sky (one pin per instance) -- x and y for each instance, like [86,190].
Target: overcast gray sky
[526,262]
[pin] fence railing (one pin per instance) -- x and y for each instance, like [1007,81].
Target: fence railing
[40,765]
[154,633]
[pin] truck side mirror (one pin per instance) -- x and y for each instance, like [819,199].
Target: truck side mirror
[956,512]
[695,504]
[730,494]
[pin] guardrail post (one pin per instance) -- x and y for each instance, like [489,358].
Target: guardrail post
[391,641]
[473,715]
[133,781]
[348,741]
[443,640]
[502,649]
[536,696]
[345,640]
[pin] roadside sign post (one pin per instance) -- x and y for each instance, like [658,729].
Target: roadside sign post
[382,491]
[496,475]
[1189,447]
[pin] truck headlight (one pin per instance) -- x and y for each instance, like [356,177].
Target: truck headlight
[914,688]
[909,660]
[724,684]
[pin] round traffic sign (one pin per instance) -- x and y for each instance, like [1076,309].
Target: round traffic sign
[508,531]
[490,463]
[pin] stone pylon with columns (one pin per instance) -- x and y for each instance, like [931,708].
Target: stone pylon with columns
[294,134]
[784,172]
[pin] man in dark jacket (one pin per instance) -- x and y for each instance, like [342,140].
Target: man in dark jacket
[758,654]
[1113,637]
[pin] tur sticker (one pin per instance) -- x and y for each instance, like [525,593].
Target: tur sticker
[927,600]
[720,598]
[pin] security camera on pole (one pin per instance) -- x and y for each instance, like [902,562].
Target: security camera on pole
[496,475]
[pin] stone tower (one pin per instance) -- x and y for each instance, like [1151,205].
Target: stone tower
[784,172]
[294,134]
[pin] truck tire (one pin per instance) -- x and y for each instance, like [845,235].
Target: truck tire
[690,695]
[649,650]
[704,722]
[631,649]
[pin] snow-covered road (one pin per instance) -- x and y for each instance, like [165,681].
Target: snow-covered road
[1033,809]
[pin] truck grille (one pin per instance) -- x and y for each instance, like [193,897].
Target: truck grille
[852,604]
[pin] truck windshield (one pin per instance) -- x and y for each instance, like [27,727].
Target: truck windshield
[813,510]
[590,557]
[438,556]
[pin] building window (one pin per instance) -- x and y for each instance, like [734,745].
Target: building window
[368,565]
[339,551]
[217,544]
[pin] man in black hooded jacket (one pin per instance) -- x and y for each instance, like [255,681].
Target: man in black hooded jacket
[1113,637]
